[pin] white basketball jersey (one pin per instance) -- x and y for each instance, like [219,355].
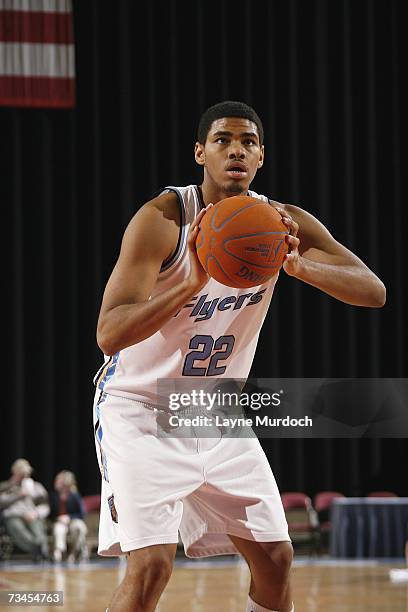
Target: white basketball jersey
[214,335]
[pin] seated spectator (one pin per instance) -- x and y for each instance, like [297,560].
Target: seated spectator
[67,512]
[24,507]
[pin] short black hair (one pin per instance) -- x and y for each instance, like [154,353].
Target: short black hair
[229,108]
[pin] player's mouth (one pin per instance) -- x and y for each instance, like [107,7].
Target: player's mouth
[237,170]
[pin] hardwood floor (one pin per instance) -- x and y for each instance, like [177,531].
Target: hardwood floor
[219,586]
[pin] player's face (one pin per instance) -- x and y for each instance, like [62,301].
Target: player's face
[231,155]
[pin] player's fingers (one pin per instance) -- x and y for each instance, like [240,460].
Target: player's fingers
[197,220]
[194,228]
[292,241]
[288,221]
[292,226]
[192,237]
[283,213]
[289,261]
[200,215]
[280,210]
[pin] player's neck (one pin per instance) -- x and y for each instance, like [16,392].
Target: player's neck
[211,193]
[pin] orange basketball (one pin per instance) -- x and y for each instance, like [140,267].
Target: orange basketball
[241,241]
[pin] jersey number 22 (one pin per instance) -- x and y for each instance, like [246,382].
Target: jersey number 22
[219,350]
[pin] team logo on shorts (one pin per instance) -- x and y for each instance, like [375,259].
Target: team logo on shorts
[112,509]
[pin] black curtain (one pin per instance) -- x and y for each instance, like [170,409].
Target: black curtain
[326,77]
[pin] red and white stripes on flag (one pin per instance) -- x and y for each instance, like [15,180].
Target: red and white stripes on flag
[37,63]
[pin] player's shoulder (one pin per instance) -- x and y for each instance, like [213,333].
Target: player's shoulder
[155,227]
[161,210]
[165,203]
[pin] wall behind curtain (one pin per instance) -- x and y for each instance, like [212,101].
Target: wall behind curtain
[326,77]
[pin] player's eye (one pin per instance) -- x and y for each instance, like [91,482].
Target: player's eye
[221,140]
[249,141]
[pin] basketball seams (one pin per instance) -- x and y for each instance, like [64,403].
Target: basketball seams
[237,212]
[209,257]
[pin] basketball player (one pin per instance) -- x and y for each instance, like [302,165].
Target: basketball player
[163,317]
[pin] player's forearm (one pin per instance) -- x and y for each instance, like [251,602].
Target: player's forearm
[129,324]
[352,284]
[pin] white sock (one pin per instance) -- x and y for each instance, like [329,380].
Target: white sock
[254,607]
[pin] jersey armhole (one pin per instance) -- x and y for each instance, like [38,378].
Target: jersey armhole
[173,258]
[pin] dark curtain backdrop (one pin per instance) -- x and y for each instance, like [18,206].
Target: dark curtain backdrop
[325,76]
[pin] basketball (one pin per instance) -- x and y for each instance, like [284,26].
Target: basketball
[241,241]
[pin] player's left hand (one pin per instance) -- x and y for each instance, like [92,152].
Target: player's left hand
[292,261]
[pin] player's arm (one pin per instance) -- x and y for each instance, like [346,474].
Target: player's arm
[318,259]
[128,314]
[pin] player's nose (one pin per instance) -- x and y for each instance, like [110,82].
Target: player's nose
[236,151]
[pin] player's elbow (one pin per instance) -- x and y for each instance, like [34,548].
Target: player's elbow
[106,340]
[378,295]
[106,347]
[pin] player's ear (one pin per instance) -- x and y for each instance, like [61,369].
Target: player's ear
[199,153]
[261,158]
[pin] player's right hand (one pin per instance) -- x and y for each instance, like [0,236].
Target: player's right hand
[198,276]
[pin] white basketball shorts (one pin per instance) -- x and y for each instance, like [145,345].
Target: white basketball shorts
[154,487]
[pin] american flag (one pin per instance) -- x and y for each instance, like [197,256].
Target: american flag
[37,63]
